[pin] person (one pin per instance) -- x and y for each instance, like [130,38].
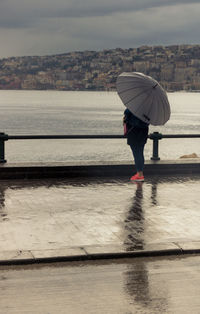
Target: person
[137,134]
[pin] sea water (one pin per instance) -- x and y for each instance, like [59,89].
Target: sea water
[66,112]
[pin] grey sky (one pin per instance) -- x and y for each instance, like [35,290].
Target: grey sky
[39,27]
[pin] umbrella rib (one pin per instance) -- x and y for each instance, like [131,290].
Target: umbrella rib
[150,81]
[132,88]
[149,95]
[163,111]
[152,100]
[164,100]
[131,79]
[135,96]
[135,77]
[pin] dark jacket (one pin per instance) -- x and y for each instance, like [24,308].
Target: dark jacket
[137,130]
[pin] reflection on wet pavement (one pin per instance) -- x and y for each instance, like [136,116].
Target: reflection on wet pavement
[144,285]
[134,222]
[48,214]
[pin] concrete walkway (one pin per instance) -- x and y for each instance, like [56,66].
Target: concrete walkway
[71,219]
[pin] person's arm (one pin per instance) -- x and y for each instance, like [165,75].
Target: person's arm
[126,116]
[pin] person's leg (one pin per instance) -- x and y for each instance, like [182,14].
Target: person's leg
[138,154]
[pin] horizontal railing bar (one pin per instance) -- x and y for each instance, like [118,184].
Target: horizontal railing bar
[180,135]
[151,136]
[29,137]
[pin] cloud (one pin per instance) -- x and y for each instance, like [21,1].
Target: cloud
[133,24]
[20,13]
[47,27]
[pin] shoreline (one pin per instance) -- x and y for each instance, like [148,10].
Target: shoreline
[91,90]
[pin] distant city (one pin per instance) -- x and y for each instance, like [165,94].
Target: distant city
[176,67]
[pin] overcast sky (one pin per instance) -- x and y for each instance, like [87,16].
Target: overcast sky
[41,27]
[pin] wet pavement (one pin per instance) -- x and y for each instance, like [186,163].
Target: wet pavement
[42,219]
[57,214]
[129,286]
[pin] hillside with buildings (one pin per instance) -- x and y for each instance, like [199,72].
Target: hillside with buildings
[175,67]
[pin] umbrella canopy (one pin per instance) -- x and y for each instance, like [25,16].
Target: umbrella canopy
[144,97]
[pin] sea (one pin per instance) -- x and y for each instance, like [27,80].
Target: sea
[83,112]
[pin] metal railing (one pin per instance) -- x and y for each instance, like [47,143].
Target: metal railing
[155,137]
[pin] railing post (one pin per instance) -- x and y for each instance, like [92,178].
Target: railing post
[155,136]
[3,138]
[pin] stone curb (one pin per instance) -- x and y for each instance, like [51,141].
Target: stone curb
[95,169]
[85,253]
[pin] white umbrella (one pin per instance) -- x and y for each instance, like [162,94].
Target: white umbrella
[144,97]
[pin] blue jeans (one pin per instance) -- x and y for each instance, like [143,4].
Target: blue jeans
[138,154]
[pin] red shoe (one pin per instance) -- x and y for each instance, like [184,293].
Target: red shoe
[137,178]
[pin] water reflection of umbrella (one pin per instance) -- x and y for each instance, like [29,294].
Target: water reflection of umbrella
[144,97]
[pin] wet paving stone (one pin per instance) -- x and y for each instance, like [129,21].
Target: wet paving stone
[56,214]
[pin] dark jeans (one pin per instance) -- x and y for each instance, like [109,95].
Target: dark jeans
[138,154]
